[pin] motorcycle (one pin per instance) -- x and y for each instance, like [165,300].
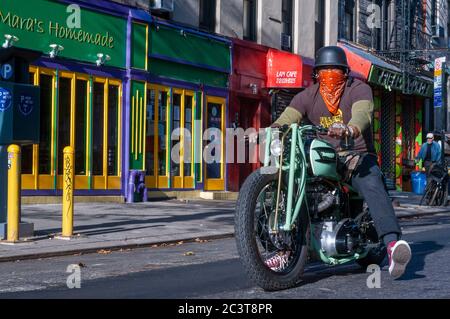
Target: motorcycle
[298,208]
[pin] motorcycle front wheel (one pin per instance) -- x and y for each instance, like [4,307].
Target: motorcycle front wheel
[273,261]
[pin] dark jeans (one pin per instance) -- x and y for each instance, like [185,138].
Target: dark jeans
[368,181]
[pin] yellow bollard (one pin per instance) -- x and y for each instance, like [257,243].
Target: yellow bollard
[13,193]
[68,188]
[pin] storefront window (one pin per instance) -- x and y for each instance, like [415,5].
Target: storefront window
[176,125]
[187,159]
[80,126]
[27,150]
[162,133]
[113,129]
[214,168]
[45,83]
[64,96]
[150,134]
[97,128]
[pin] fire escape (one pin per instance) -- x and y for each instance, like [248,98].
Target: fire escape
[408,45]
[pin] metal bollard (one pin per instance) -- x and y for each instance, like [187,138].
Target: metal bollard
[13,193]
[68,188]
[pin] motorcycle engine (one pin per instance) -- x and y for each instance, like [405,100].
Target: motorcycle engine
[339,239]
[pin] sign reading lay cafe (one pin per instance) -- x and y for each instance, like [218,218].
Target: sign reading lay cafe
[287,70]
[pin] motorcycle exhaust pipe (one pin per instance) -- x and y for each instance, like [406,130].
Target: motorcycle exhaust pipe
[326,203]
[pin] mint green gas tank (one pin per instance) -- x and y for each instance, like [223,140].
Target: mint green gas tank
[323,159]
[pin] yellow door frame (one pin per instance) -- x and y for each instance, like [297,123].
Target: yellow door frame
[189,181]
[159,181]
[30,181]
[114,182]
[45,181]
[150,181]
[162,181]
[71,76]
[216,184]
[82,181]
[177,181]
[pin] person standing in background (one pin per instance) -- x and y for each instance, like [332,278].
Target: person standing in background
[430,153]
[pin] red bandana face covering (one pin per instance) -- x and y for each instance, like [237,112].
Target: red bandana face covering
[332,86]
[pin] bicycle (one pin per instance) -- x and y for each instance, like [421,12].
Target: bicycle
[436,192]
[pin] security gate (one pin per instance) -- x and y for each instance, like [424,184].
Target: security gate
[280,101]
[388,135]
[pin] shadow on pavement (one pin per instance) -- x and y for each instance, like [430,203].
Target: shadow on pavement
[216,216]
[420,250]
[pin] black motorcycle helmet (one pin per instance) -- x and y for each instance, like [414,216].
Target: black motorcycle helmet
[331,56]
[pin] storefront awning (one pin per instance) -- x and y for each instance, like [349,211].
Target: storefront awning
[287,70]
[376,71]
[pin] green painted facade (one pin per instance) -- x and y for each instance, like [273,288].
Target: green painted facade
[188,73]
[40,23]
[189,57]
[137,116]
[139,46]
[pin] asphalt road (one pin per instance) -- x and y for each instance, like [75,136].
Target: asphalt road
[212,270]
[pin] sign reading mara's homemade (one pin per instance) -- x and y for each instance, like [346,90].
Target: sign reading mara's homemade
[40,23]
[56,30]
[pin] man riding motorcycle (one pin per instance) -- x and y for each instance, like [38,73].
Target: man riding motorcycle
[345,106]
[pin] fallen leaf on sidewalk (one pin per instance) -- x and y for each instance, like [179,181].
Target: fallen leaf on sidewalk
[202,241]
[189,253]
[180,243]
[104,252]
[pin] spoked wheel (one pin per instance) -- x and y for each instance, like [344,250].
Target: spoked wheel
[274,260]
[436,194]
[378,252]
[429,194]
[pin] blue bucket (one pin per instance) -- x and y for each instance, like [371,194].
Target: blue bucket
[418,182]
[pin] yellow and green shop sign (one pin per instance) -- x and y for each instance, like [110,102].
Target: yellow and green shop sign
[83,33]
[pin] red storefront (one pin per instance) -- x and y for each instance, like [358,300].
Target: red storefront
[261,76]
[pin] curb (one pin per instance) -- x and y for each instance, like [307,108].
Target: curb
[111,248]
[410,211]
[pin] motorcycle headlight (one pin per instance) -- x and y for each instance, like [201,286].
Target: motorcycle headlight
[276,148]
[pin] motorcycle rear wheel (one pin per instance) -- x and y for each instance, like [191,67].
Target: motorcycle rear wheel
[248,240]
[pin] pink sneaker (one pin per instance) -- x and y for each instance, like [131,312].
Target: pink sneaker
[399,254]
[278,262]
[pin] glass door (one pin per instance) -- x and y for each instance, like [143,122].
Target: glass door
[214,157]
[45,163]
[187,138]
[30,152]
[81,112]
[182,168]
[157,137]
[176,138]
[105,131]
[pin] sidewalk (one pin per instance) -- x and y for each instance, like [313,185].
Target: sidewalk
[111,226]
